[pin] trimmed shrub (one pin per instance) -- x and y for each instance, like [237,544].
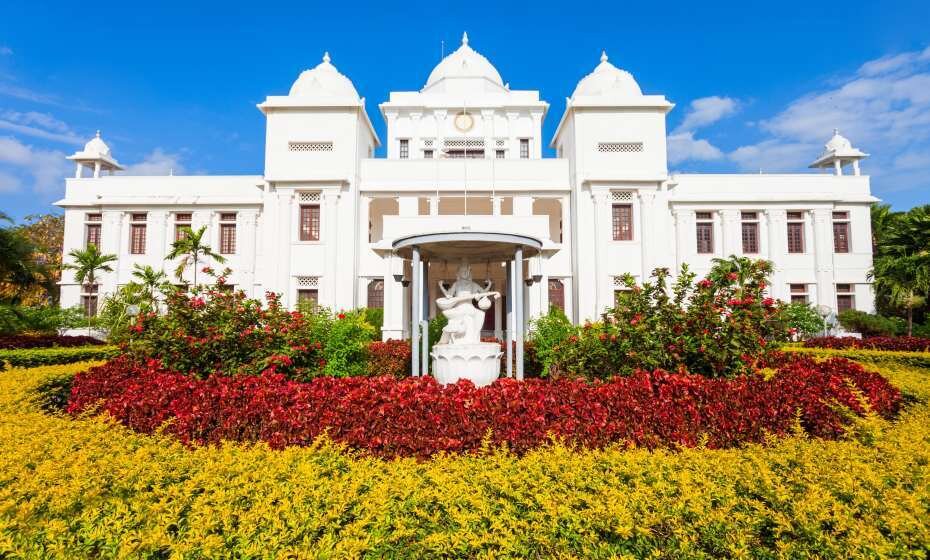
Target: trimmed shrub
[418,417]
[35,357]
[898,343]
[870,325]
[391,357]
[46,341]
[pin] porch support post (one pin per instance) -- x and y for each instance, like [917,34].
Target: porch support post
[415,302]
[508,319]
[518,315]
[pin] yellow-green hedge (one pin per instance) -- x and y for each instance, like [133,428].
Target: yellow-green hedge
[915,359]
[35,357]
[88,489]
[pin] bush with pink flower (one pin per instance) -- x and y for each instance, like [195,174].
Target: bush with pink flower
[721,326]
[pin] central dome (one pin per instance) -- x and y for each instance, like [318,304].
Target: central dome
[464,63]
[324,81]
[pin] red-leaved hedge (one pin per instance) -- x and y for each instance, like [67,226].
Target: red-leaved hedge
[896,343]
[418,417]
[22,341]
[391,357]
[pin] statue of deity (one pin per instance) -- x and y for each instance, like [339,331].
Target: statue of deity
[464,305]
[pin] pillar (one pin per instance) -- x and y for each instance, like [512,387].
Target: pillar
[518,315]
[415,314]
[509,316]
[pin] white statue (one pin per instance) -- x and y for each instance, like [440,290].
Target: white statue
[464,306]
[459,353]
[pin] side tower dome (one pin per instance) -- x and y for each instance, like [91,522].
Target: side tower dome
[324,81]
[607,79]
[95,155]
[839,152]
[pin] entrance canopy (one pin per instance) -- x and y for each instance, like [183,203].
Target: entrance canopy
[469,245]
[473,246]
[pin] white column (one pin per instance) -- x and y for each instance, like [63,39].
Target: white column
[434,205]
[602,235]
[392,149]
[823,256]
[415,314]
[96,169]
[496,205]
[79,170]
[647,238]
[731,232]
[518,315]
[246,241]
[513,151]
[329,233]
[536,141]
[509,314]
[775,225]
[393,299]
[487,126]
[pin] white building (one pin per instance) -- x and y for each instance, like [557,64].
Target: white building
[464,154]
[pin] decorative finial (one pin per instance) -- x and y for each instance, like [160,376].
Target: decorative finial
[465,38]
[326,57]
[98,133]
[604,56]
[836,132]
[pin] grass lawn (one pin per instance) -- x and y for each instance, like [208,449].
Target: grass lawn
[89,488]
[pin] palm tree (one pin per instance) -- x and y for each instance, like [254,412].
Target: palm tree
[190,249]
[905,280]
[883,222]
[19,270]
[87,263]
[150,279]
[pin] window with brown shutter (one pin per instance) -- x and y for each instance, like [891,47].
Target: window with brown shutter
[137,234]
[227,233]
[182,225]
[841,232]
[308,297]
[524,148]
[750,232]
[376,294]
[798,293]
[623,222]
[557,294]
[704,231]
[845,298]
[310,222]
[795,232]
[92,235]
[89,299]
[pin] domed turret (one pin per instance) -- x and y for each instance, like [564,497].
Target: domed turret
[324,81]
[465,65]
[607,79]
[95,155]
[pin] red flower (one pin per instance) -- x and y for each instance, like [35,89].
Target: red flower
[705,283]
[198,303]
[768,302]
[733,276]
[341,316]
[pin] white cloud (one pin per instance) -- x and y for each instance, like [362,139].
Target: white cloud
[46,168]
[706,111]
[39,125]
[683,146]
[9,182]
[883,108]
[158,162]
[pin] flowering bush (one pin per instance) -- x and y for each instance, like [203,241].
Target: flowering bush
[213,330]
[418,417]
[45,341]
[899,343]
[720,327]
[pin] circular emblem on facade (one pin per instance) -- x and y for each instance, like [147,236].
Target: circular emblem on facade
[464,122]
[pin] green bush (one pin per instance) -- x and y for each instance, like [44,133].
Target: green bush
[870,325]
[374,316]
[803,319]
[15,319]
[546,334]
[345,348]
[114,316]
[34,357]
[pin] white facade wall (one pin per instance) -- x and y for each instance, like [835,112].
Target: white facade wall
[610,148]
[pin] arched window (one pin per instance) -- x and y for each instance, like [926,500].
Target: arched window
[557,294]
[376,293]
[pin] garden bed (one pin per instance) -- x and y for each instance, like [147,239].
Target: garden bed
[89,488]
[21,341]
[387,416]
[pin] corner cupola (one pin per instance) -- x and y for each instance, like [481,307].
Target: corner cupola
[464,71]
[95,155]
[839,152]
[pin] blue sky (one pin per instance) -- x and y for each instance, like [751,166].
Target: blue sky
[758,85]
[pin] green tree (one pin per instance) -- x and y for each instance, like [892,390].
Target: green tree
[905,280]
[149,279]
[901,268]
[190,249]
[87,263]
[19,271]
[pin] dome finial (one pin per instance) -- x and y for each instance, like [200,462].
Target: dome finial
[604,56]
[98,133]
[836,132]
[465,37]
[326,57]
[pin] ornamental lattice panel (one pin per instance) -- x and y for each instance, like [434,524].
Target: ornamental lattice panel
[310,196]
[619,147]
[310,146]
[308,281]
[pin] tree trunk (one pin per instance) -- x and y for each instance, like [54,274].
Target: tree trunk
[910,320]
[195,269]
